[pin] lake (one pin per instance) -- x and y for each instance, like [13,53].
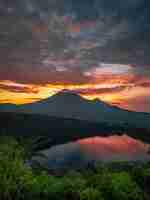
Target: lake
[87,151]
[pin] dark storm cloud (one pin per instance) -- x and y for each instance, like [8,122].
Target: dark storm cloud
[41,75]
[121,35]
[82,8]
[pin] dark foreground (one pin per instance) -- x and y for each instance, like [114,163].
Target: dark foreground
[56,130]
[113,181]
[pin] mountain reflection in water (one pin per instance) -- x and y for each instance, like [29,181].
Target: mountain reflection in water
[114,147]
[81,152]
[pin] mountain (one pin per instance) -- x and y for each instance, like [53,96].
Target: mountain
[8,107]
[66,104]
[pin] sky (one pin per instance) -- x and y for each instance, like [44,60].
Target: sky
[104,52]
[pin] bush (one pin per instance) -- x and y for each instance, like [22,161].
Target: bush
[91,194]
[146,179]
[12,169]
[137,173]
[38,186]
[68,187]
[124,188]
[19,182]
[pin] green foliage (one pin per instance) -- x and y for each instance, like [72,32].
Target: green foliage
[91,194]
[123,187]
[146,179]
[37,187]
[19,182]
[12,168]
[68,186]
[137,174]
[146,172]
[102,181]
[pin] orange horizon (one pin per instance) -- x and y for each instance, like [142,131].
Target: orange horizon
[119,92]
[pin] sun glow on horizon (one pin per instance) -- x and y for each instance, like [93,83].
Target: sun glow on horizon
[116,90]
[19,93]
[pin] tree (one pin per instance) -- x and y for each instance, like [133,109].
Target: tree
[124,188]
[91,194]
[12,169]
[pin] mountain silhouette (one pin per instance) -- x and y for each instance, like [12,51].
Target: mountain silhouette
[67,104]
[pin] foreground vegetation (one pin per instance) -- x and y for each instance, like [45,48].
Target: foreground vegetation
[18,181]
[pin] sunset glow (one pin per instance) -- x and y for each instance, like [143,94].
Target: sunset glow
[116,147]
[33,72]
[119,90]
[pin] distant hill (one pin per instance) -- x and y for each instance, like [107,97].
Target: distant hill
[66,104]
[48,131]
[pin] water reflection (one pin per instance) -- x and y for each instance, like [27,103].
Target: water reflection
[91,150]
[114,148]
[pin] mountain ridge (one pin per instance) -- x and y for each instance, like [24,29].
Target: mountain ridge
[66,93]
[68,104]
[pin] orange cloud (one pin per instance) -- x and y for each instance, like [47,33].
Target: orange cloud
[118,90]
[11,86]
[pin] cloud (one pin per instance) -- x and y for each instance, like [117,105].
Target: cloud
[108,46]
[112,69]
[100,91]
[145,84]
[140,103]
[17,88]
